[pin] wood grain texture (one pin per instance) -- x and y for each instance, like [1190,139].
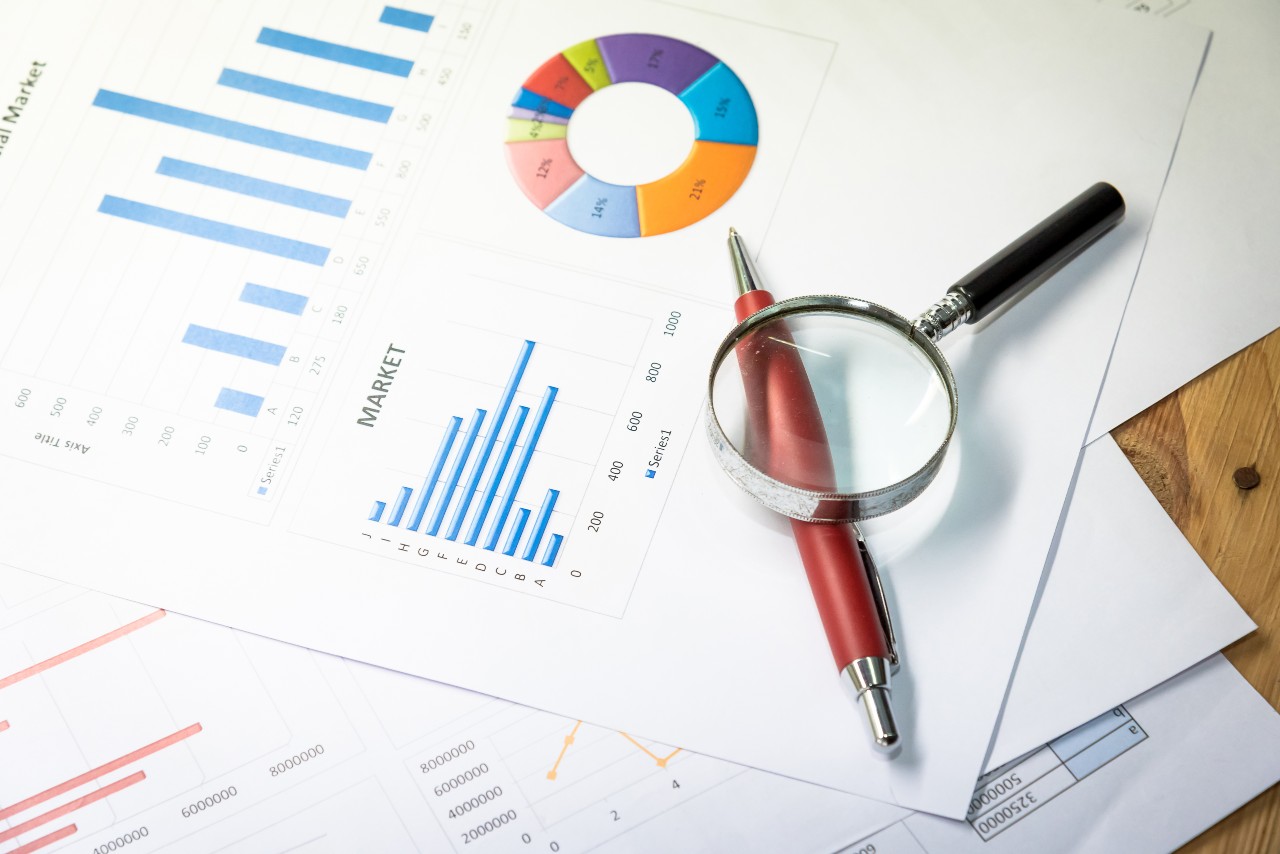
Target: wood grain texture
[1186,448]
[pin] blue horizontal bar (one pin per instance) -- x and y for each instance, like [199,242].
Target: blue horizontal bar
[404,18]
[238,131]
[234,345]
[317,98]
[239,401]
[274,298]
[209,229]
[335,52]
[255,187]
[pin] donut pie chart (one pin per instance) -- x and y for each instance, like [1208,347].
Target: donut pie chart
[724,146]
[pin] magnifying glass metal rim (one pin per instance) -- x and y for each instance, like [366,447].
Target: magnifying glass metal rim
[809,505]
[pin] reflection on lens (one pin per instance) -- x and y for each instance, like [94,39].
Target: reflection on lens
[832,402]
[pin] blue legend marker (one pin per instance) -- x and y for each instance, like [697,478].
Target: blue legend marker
[650,473]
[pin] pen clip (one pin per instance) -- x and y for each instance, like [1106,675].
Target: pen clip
[877,594]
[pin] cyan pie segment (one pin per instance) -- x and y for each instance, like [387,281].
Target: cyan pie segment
[721,108]
[725,135]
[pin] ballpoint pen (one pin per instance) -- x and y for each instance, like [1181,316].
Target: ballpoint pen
[785,430]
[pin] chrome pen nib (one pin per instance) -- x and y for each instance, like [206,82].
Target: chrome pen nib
[744,272]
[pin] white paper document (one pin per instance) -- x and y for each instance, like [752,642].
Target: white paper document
[316,332]
[1127,603]
[1147,776]
[122,725]
[1207,286]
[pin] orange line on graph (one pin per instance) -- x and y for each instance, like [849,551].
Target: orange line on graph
[87,646]
[37,844]
[101,770]
[72,806]
[568,740]
[661,760]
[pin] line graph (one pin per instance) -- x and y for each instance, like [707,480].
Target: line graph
[659,760]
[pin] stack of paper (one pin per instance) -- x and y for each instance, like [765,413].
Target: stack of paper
[321,334]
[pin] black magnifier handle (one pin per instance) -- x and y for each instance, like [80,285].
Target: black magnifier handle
[1042,251]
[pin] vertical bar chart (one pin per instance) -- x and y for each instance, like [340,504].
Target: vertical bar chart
[458,494]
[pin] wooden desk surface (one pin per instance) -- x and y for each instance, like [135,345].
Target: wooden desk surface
[1187,448]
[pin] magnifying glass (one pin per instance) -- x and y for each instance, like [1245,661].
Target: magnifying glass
[835,409]
[832,409]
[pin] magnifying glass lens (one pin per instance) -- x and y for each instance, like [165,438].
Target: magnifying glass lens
[831,401]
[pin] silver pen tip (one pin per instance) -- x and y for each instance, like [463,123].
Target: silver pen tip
[744,272]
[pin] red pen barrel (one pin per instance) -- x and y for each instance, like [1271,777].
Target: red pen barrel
[841,590]
[787,440]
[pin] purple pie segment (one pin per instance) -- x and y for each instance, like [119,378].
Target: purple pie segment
[641,58]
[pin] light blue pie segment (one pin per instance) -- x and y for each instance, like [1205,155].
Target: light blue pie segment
[721,108]
[597,207]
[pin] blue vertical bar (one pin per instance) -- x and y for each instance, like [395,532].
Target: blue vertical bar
[455,474]
[317,98]
[238,131]
[522,465]
[234,345]
[257,188]
[540,524]
[232,235]
[375,515]
[335,52]
[273,298]
[239,401]
[504,403]
[433,476]
[553,549]
[522,517]
[495,477]
[404,18]
[397,512]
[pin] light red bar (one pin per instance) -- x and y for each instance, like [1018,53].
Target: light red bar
[37,844]
[101,770]
[87,646]
[4,725]
[72,806]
